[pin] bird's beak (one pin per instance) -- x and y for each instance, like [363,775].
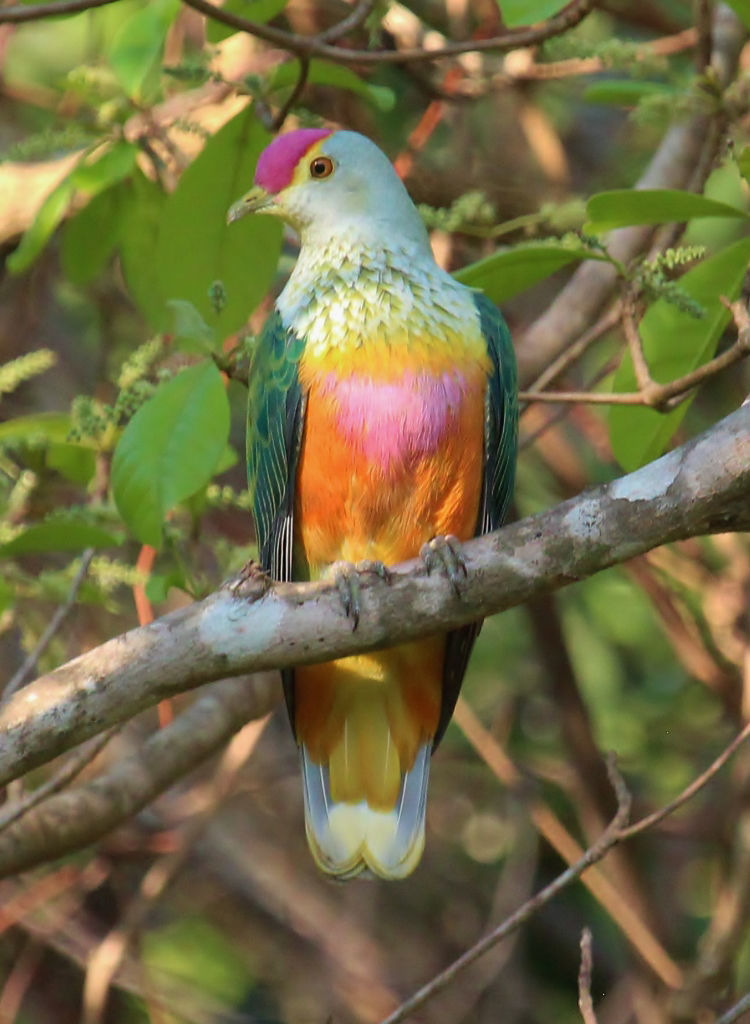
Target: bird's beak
[255,201]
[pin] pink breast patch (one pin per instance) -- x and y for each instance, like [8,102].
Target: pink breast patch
[392,423]
[278,161]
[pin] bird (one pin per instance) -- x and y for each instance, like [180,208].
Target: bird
[382,425]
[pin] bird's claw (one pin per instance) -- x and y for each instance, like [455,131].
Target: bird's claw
[251,574]
[376,568]
[446,554]
[346,576]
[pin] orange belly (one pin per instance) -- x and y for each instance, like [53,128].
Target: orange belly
[353,505]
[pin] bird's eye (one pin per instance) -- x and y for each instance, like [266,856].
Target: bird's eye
[321,167]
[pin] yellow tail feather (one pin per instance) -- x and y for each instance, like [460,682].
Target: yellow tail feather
[350,836]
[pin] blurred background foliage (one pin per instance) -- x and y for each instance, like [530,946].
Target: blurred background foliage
[127,309]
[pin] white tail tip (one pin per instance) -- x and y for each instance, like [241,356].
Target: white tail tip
[347,839]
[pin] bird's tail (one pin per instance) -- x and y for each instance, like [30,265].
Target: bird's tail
[365,727]
[351,837]
[366,786]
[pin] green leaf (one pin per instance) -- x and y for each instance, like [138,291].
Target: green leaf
[92,177]
[46,426]
[622,207]
[136,51]
[146,202]
[675,343]
[159,584]
[117,162]
[624,93]
[196,247]
[725,185]
[39,232]
[90,237]
[323,72]
[528,12]
[191,331]
[58,535]
[170,449]
[254,10]
[510,271]
[742,9]
[76,462]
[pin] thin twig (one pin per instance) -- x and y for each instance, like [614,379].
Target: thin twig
[28,668]
[736,1011]
[695,786]
[358,16]
[72,767]
[585,1002]
[304,70]
[584,397]
[643,377]
[107,957]
[313,46]
[660,397]
[574,351]
[595,853]
[19,979]
[79,815]
[526,69]
[554,832]
[615,833]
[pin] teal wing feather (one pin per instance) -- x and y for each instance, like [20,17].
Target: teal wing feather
[501,417]
[275,421]
[500,448]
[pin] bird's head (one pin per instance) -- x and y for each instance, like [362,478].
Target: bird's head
[325,183]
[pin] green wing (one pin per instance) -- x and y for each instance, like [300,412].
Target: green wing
[500,447]
[501,417]
[275,419]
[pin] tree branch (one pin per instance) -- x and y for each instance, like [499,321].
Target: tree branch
[316,46]
[78,817]
[249,625]
[673,166]
[585,1001]
[594,854]
[736,1012]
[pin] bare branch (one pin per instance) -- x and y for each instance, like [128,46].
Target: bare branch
[299,86]
[615,833]
[661,397]
[673,165]
[549,826]
[358,16]
[29,665]
[316,46]
[529,908]
[736,1012]
[108,955]
[701,487]
[603,325]
[78,817]
[689,792]
[75,764]
[585,1002]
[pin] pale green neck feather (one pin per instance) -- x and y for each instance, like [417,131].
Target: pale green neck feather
[340,297]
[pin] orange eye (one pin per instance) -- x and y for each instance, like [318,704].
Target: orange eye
[321,167]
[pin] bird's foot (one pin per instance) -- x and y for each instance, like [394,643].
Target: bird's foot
[251,577]
[346,577]
[446,555]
